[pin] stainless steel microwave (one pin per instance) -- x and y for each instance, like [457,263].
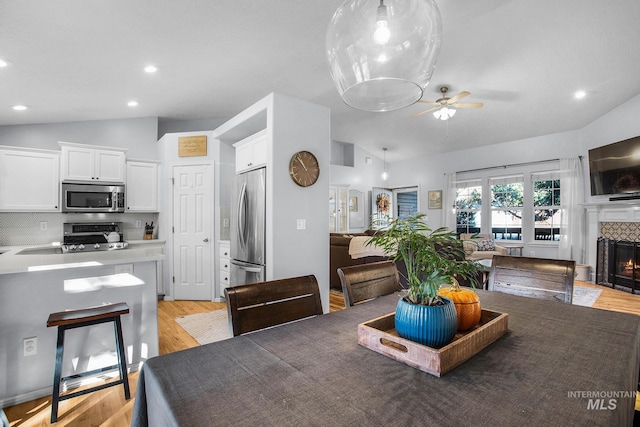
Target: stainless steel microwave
[92,198]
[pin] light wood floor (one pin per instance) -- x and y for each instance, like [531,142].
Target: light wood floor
[109,408]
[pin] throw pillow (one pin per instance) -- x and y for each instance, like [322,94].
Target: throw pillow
[468,246]
[486,245]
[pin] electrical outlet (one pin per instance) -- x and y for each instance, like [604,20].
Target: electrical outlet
[225,222]
[533,253]
[43,225]
[30,346]
[138,224]
[301,224]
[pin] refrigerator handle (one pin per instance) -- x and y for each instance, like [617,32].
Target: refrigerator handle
[242,215]
[249,269]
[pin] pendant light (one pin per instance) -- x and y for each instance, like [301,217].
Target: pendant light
[384,164]
[382,53]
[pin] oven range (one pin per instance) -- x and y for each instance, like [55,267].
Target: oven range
[92,236]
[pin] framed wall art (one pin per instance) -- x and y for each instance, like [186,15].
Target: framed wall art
[356,209]
[435,199]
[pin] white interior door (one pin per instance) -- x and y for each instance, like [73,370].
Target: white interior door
[192,232]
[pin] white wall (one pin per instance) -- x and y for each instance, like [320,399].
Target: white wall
[139,136]
[299,125]
[177,126]
[621,123]
[361,176]
[291,125]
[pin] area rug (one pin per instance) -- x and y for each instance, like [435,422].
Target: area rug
[206,327]
[585,296]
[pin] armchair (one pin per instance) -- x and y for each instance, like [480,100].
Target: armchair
[481,246]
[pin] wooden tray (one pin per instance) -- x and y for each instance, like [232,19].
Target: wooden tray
[380,336]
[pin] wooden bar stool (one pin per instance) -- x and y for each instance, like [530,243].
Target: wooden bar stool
[86,317]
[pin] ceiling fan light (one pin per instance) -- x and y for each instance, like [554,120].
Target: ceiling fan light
[444,113]
[374,76]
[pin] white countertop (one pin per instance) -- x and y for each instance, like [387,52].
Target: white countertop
[13,262]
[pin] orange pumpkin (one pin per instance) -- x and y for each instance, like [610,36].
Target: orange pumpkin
[467,305]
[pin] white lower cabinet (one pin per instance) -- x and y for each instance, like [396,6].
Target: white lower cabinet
[225,264]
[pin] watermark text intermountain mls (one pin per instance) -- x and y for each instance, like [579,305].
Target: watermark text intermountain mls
[602,399]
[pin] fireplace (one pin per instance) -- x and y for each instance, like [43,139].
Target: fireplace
[618,263]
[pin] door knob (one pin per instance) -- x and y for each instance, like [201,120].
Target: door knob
[206,239]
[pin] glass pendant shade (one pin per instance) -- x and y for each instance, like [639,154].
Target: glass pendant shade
[444,113]
[382,53]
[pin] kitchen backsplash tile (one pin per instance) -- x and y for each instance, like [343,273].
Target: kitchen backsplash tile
[26,228]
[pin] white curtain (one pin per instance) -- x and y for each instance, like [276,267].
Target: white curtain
[449,200]
[572,221]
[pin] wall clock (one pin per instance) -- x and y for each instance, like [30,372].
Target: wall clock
[304,168]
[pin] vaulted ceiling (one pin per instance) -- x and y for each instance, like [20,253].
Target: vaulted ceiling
[524,59]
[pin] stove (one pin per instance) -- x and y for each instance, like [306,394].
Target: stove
[92,236]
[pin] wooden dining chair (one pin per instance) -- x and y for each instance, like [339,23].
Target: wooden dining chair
[261,305]
[550,279]
[367,281]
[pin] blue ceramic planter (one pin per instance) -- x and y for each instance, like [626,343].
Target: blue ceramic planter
[433,326]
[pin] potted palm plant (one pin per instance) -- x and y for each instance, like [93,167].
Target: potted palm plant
[432,258]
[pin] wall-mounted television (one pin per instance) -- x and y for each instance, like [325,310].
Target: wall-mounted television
[615,168]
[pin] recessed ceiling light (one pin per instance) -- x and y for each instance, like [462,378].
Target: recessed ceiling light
[580,94]
[20,107]
[3,63]
[150,69]
[132,103]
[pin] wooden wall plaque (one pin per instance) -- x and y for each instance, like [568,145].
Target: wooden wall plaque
[190,146]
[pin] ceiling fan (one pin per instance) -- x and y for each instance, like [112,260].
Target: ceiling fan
[445,107]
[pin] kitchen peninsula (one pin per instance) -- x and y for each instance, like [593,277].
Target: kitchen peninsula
[38,280]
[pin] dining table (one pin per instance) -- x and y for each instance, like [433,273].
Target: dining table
[557,364]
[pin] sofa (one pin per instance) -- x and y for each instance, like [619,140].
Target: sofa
[339,255]
[481,246]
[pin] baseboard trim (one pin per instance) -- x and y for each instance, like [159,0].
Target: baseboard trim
[37,394]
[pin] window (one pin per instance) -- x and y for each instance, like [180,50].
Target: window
[546,206]
[406,202]
[520,205]
[507,198]
[468,206]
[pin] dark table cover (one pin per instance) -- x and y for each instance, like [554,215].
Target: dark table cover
[551,368]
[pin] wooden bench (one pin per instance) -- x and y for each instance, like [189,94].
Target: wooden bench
[550,279]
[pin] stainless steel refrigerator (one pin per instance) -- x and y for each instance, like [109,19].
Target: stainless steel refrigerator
[248,212]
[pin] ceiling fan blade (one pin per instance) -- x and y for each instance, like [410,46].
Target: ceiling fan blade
[467,105]
[429,102]
[425,112]
[458,96]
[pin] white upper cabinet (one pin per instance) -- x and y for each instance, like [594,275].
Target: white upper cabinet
[142,186]
[29,180]
[251,152]
[92,164]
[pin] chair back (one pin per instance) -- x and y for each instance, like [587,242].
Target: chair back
[550,279]
[265,304]
[366,281]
